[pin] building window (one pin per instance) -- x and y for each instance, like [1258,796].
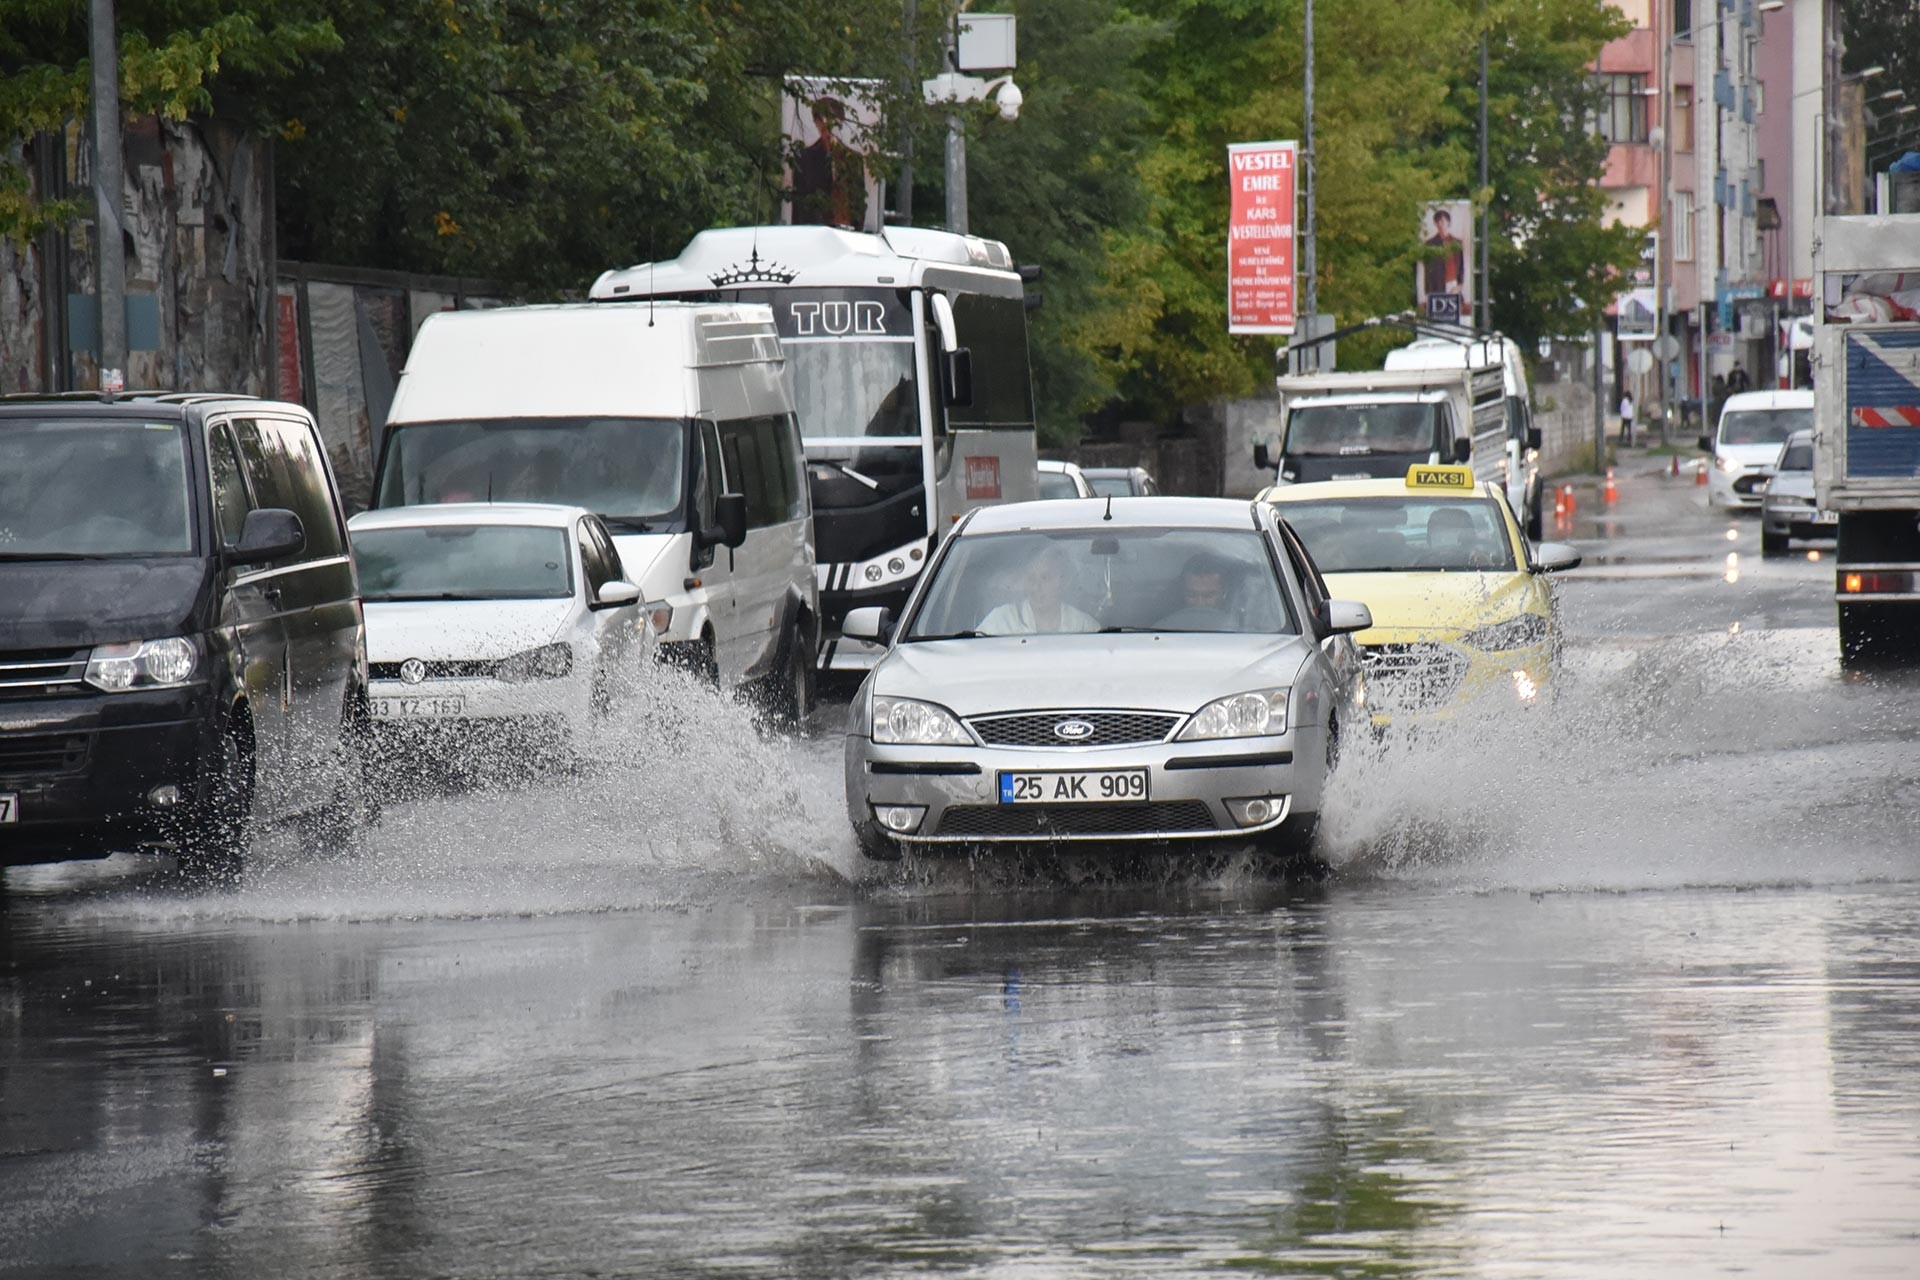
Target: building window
[1760,174]
[1682,222]
[1683,117]
[1623,111]
[1682,19]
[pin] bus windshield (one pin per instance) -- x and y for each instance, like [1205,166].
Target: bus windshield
[630,471]
[850,387]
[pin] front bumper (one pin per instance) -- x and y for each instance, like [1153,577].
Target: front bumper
[428,707]
[1433,679]
[1740,488]
[1187,786]
[1796,521]
[83,769]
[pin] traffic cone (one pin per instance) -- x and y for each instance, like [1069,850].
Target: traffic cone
[1611,493]
[1559,504]
[1568,489]
[1699,474]
[1676,466]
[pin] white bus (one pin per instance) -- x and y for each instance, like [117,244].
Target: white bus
[907,354]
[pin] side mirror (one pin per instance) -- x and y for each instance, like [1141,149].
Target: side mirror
[615,594]
[1534,439]
[1462,451]
[1706,444]
[1347,616]
[873,624]
[1261,457]
[730,509]
[958,375]
[1552,557]
[271,533]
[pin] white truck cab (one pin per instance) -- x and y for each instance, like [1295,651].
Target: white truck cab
[1523,486]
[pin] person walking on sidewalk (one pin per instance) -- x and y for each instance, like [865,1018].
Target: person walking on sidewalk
[1626,418]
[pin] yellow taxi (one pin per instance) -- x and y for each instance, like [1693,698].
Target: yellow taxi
[1460,608]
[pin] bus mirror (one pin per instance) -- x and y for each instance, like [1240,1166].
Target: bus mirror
[959,377]
[1463,451]
[1262,458]
[943,322]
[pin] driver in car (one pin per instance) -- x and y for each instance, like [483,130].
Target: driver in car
[1203,598]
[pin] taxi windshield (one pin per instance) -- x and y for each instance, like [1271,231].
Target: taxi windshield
[1398,534]
[1067,581]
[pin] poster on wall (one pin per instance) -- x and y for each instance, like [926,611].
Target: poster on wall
[831,129]
[1260,245]
[1443,278]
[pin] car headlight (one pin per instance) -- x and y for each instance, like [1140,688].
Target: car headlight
[548,662]
[1726,464]
[1514,633]
[1243,715]
[142,664]
[907,721]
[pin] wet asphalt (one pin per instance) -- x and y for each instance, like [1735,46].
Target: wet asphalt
[1629,985]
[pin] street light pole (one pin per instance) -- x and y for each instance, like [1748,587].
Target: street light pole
[111,281]
[1483,319]
[1309,260]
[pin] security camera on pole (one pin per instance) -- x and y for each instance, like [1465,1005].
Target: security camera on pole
[978,42]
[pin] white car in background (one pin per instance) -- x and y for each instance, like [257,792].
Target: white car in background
[494,615]
[1753,427]
[1062,480]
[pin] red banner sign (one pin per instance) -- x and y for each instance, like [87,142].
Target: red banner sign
[1260,295]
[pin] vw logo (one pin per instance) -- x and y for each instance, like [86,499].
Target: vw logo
[413,671]
[1073,731]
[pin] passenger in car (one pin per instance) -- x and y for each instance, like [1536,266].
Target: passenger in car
[1045,610]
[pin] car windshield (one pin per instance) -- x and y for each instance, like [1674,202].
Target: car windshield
[1070,581]
[1797,457]
[463,562]
[73,488]
[1057,484]
[629,470]
[1349,430]
[1763,426]
[1391,535]
[1119,486]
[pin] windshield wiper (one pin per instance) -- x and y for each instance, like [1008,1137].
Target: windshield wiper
[1128,631]
[629,523]
[951,635]
[850,473]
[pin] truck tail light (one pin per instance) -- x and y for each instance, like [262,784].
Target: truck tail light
[1877,582]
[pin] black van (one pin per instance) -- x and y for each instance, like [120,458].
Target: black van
[181,645]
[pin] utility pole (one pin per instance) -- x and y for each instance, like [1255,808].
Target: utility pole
[1484,314]
[904,201]
[111,290]
[1309,264]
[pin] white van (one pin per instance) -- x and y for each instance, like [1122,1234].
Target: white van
[1523,438]
[672,422]
[1745,444]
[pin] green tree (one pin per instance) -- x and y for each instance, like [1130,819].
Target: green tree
[1556,263]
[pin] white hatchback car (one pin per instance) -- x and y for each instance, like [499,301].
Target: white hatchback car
[1062,480]
[497,615]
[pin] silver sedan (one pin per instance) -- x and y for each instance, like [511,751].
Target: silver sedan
[1139,669]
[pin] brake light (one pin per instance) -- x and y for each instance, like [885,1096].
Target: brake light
[1877,582]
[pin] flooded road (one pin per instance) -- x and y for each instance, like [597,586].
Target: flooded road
[1629,985]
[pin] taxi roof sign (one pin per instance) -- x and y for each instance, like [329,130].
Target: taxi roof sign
[1431,476]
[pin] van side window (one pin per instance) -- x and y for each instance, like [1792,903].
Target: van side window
[708,482]
[282,464]
[761,467]
[795,454]
[230,505]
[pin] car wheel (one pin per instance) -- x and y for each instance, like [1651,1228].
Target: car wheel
[875,845]
[1773,544]
[214,848]
[790,698]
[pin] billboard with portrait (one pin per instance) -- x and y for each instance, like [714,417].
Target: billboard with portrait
[832,129]
[1443,276]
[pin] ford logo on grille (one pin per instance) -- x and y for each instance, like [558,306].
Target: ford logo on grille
[413,671]
[1073,730]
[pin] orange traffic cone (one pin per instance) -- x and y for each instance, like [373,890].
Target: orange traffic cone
[1676,466]
[1611,493]
[1559,504]
[1568,490]
[1699,474]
